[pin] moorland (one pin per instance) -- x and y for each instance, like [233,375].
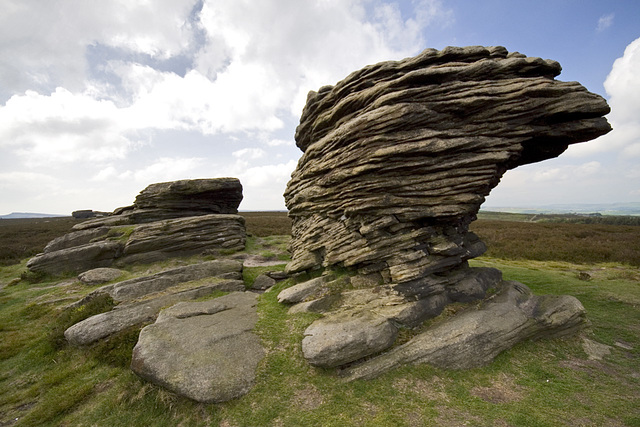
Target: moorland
[592,379]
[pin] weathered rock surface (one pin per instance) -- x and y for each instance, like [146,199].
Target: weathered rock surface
[76,238]
[344,337]
[177,199]
[167,220]
[476,336]
[77,259]
[195,196]
[205,351]
[88,213]
[98,276]
[132,314]
[263,282]
[302,291]
[141,299]
[398,157]
[131,289]
[184,236]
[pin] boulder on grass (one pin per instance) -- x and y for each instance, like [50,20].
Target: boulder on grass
[205,351]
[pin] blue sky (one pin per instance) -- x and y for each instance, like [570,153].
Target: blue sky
[99,99]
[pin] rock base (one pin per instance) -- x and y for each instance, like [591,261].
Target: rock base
[475,337]
[363,324]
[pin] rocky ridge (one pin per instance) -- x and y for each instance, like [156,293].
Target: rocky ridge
[398,157]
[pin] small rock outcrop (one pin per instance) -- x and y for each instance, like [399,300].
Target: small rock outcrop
[88,213]
[205,351]
[398,157]
[167,220]
[141,299]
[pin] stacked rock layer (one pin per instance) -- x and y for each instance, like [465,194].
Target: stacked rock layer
[167,220]
[399,156]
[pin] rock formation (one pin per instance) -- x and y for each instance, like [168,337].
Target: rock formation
[167,220]
[398,157]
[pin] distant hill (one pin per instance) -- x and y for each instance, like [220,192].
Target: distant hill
[16,215]
[632,208]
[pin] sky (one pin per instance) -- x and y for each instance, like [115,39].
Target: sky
[99,99]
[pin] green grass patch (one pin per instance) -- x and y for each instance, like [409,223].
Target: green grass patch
[70,316]
[121,233]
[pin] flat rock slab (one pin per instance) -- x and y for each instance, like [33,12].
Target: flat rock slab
[205,351]
[475,337]
[128,315]
[98,276]
[141,286]
[301,291]
[263,282]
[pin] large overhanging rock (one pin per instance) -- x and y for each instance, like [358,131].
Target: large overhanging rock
[398,157]
[168,219]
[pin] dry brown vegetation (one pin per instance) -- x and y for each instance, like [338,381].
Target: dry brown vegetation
[577,243]
[22,238]
[273,223]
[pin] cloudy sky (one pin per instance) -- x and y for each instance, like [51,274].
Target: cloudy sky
[99,98]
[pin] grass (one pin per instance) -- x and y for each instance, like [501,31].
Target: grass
[546,383]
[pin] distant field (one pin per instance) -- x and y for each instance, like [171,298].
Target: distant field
[563,218]
[25,237]
[546,241]
[263,224]
[508,236]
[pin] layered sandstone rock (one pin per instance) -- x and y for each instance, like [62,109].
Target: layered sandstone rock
[167,220]
[399,156]
[176,199]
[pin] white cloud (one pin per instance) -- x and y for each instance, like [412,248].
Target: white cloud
[299,46]
[269,61]
[249,153]
[247,69]
[106,174]
[267,175]
[168,169]
[62,127]
[623,87]
[263,186]
[11,180]
[281,143]
[605,22]
[47,41]
[543,173]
